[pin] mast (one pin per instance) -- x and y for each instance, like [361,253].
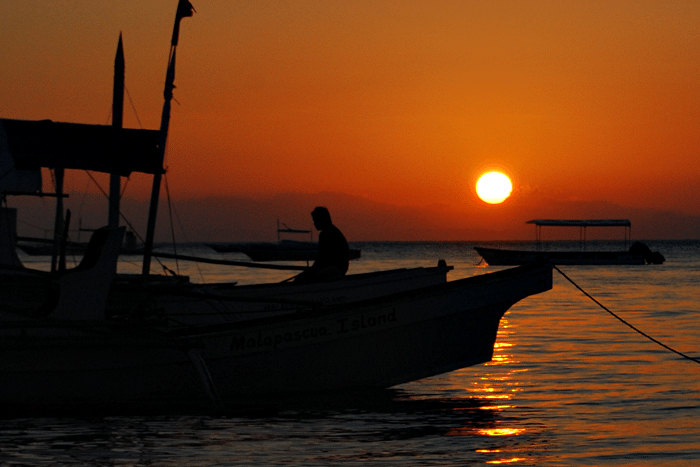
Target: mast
[184,9]
[58,222]
[117,118]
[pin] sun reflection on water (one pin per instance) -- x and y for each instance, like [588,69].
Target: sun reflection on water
[500,431]
[495,397]
[496,407]
[499,461]
[506,461]
[492,431]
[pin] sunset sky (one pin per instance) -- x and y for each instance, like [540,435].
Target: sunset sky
[402,103]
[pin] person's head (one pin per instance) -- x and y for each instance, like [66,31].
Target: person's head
[321,217]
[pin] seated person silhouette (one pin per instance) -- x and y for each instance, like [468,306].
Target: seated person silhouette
[333,257]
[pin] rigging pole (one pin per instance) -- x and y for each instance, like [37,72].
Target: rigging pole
[117,118]
[59,221]
[184,9]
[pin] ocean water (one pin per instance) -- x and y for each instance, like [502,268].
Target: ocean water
[569,385]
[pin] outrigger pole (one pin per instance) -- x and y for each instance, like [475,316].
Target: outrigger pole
[117,119]
[184,9]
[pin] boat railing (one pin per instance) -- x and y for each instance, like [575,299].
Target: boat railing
[582,225]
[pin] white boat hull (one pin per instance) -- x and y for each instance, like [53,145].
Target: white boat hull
[370,344]
[194,304]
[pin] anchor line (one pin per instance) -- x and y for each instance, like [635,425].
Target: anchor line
[625,322]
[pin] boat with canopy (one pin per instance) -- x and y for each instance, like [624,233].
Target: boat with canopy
[636,254]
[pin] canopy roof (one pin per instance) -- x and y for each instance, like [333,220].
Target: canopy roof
[582,223]
[102,148]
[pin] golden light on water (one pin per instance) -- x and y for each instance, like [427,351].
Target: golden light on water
[494,187]
[506,461]
[492,432]
[500,431]
[496,407]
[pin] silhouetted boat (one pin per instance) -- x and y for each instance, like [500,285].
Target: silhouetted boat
[87,336]
[44,247]
[638,253]
[373,343]
[282,250]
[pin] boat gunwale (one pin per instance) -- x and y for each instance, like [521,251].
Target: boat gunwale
[166,289]
[324,310]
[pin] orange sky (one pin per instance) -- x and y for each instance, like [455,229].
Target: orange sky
[401,102]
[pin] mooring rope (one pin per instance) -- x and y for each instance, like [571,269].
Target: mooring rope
[625,322]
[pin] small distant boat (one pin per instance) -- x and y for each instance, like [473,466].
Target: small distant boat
[44,247]
[637,254]
[283,250]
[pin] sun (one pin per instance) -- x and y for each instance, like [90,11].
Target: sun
[494,187]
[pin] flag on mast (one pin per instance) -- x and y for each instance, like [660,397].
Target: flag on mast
[184,9]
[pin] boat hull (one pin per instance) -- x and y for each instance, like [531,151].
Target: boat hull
[87,371]
[369,344]
[285,250]
[503,257]
[194,304]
